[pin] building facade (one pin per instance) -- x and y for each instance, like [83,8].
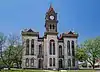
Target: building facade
[50,51]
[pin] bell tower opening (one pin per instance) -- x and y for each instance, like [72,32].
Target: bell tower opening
[51,20]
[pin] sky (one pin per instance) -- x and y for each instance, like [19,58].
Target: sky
[82,16]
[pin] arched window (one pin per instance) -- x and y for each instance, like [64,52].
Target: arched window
[27,47]
[69,62]
[73,62]
[40,49]
[32,47]
[32,62]
[27,62]
[53,61]
[50,51]
[73,51]
[60,50]
[50,61]
[68,47]
[52,47]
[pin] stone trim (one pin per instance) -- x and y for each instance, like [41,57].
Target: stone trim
[70,35]
[40,38]
[60,41]
[51,33]
[30,33]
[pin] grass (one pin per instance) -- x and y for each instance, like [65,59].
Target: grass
[47,71]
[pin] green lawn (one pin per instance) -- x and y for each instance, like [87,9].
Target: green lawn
[47,71]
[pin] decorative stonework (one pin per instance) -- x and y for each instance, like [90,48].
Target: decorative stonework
[30,32]
[70,35]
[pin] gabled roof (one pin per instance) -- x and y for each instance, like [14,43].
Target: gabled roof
[70,32]
[30,30]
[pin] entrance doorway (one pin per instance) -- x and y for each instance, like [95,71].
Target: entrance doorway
[40,63]
[60,63]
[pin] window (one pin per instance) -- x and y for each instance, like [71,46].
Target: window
[60,50]
[32,47]
[50,51]
[73,61]
[40,49]
[50,61]
[50,26]
[68,47]
[27,47]
[53,27]
[53,61]
[52,47]
[32,62]
[69,62]
[27,62]
[73,51]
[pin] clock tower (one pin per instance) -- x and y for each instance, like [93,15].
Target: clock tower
[50,39]
[51,20]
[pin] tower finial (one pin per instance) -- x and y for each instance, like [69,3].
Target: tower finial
[50,4]
[51,8]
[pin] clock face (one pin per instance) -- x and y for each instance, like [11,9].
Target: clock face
[52,17]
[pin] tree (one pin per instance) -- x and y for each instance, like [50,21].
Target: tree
[80,54]
[13,51]
[18,55]
[2,46]
[17,49]
[89,51]
[8,56]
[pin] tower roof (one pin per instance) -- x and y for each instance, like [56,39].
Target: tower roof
[51,9]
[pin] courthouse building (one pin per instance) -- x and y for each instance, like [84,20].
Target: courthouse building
[50,51]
